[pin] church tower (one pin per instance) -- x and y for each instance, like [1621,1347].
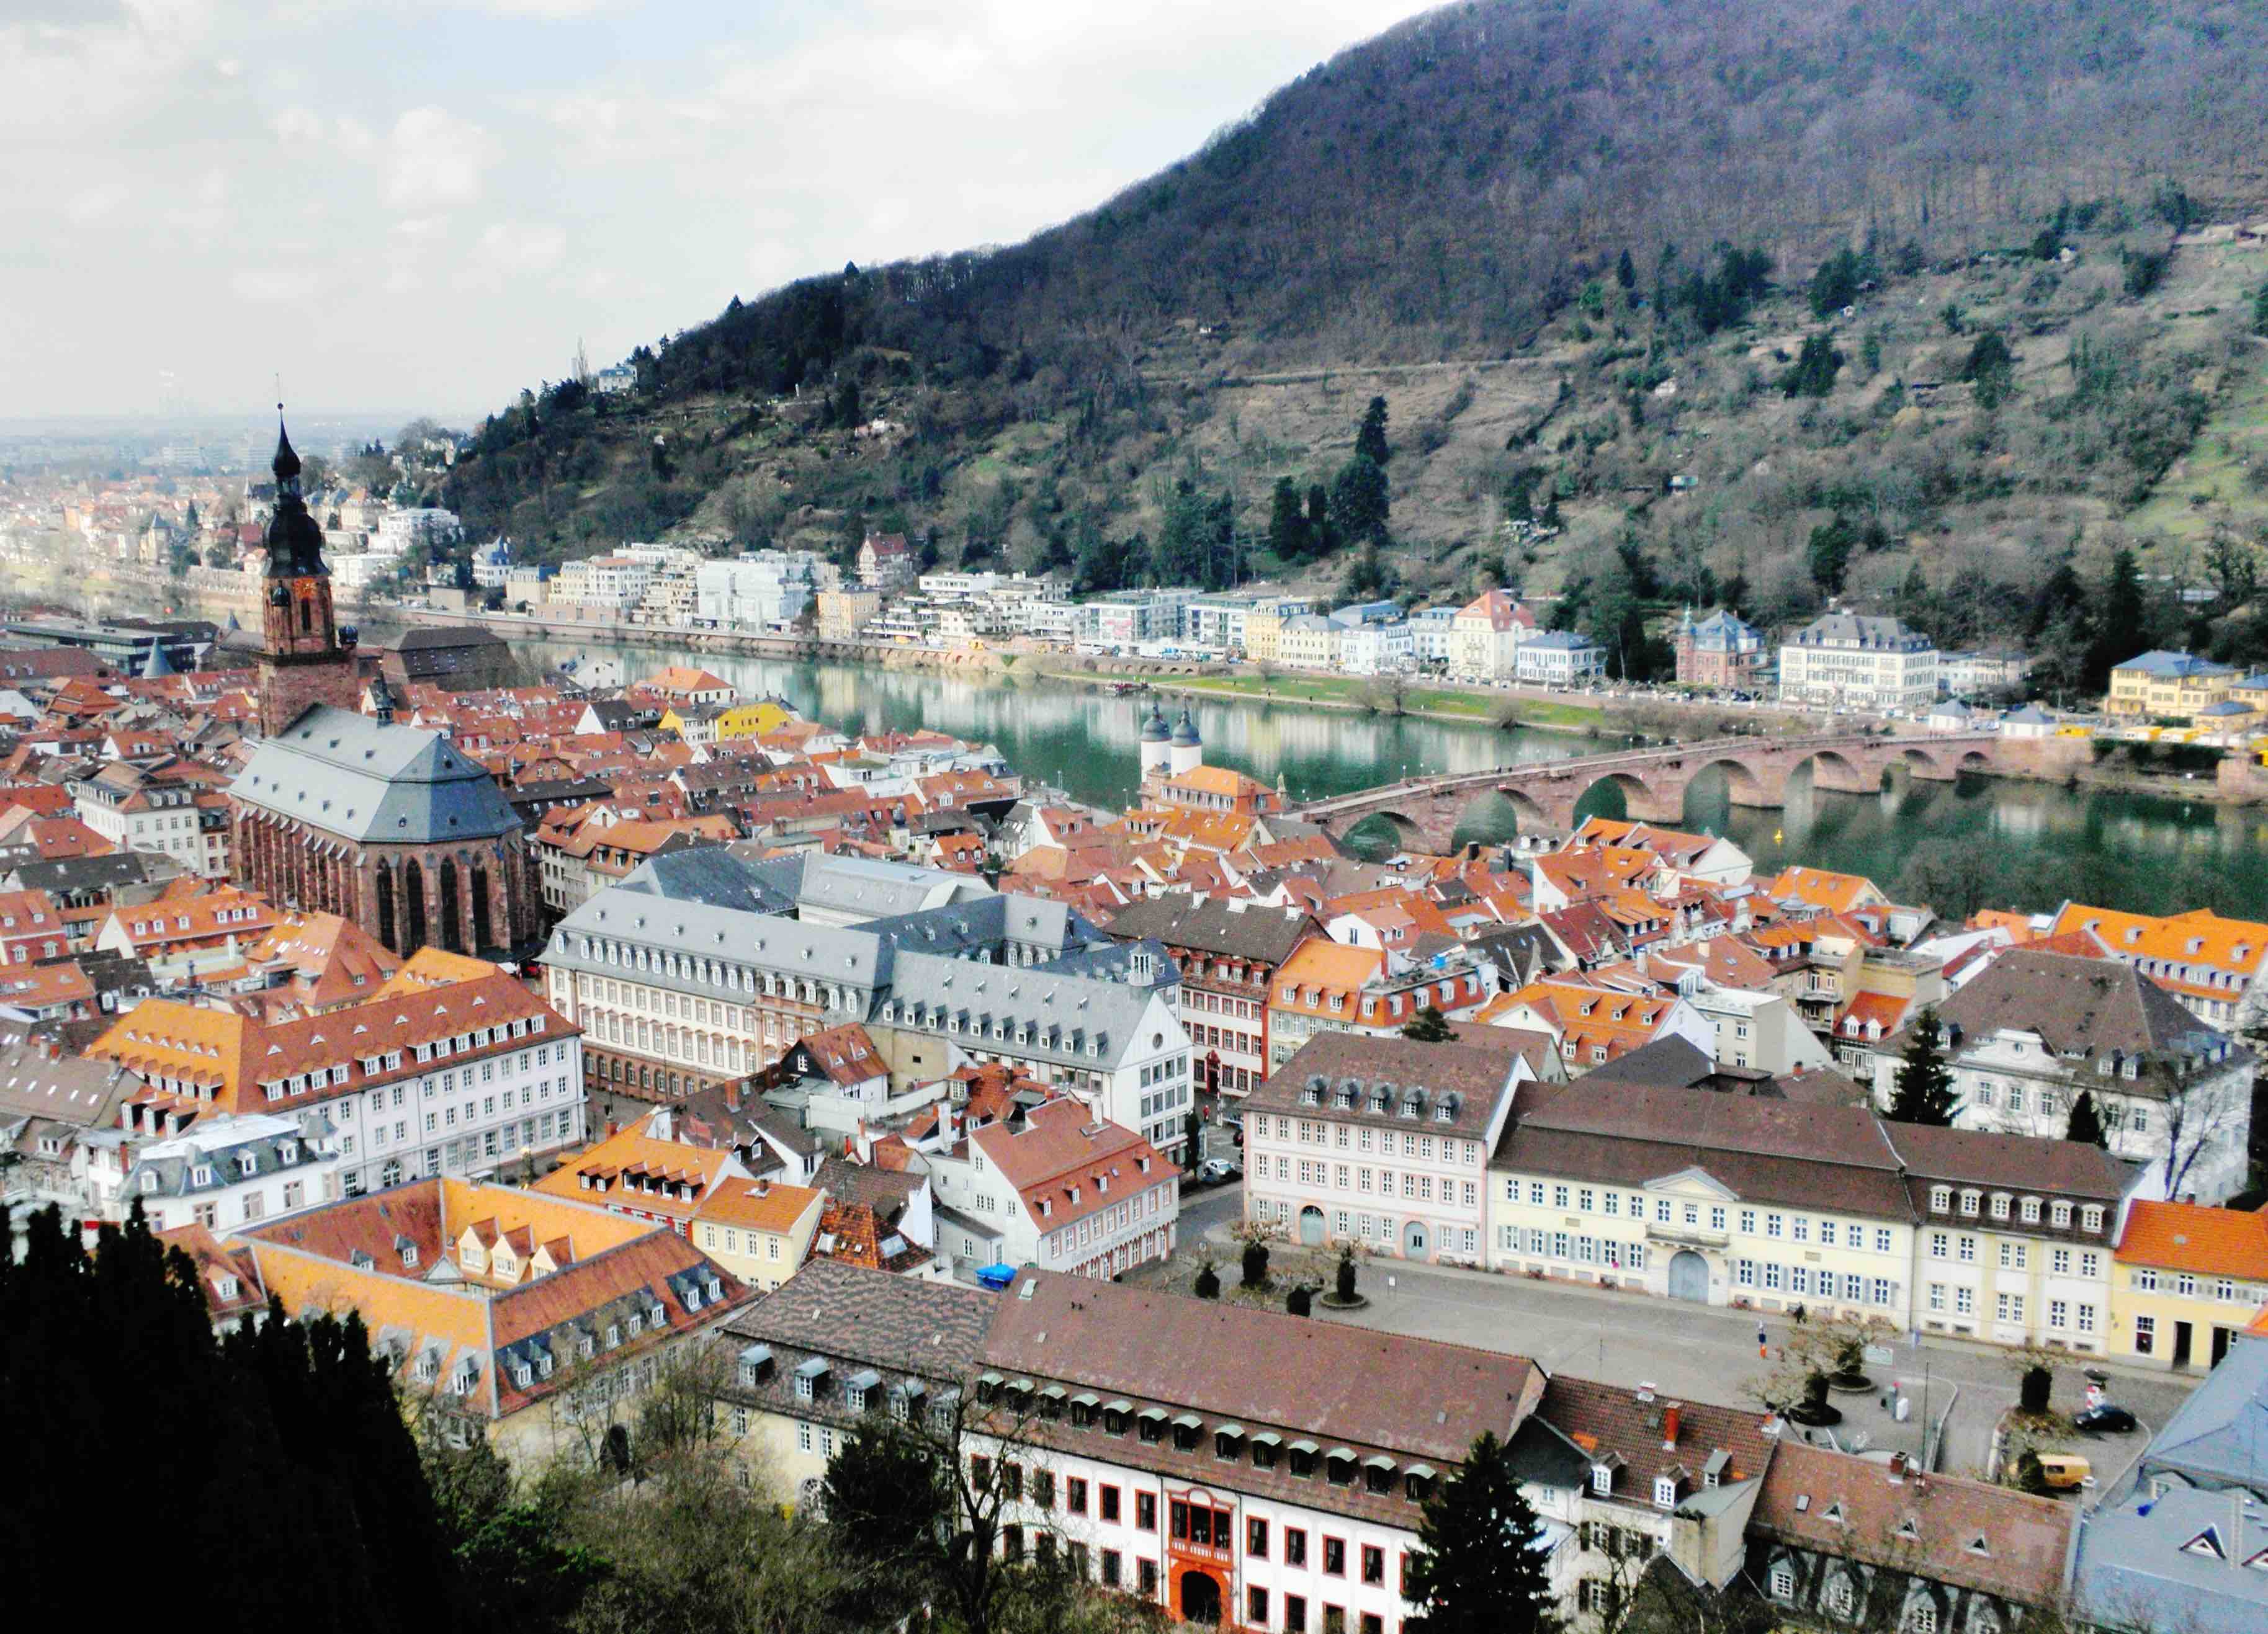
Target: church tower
[304,657]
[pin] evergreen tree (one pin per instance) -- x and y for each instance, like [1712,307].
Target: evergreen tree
[1626,271]
[1477,1570]
[1301,1301]
[1924,1091]
[1813,373]
[1827,553]
[289,1418]
[2260,311]
[2121,619]
[1288,534]
[1342,1277]
[2086,1124]
[1429,1026]
[1369,439]
[884,1495]
[1254,1267]
[1207,1285]
[1359,500]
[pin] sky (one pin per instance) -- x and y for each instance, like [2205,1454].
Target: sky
[424,205]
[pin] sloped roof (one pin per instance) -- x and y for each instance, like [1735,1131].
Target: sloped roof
[1946,1529]
[351,775]
[2191,1237]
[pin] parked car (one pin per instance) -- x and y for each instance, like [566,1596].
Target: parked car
[2105,1418]
[1216,1171]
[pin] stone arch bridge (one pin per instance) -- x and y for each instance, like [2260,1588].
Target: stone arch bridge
[1426,811]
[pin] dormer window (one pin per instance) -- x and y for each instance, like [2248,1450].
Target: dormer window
[1665,1491]
[1603,1479]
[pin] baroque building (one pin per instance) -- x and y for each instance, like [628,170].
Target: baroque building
[341,812]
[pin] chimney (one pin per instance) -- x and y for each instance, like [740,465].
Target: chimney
[1646,1390]
[1670,1427]
[733,1095]
[763,1186]
[1897,1468]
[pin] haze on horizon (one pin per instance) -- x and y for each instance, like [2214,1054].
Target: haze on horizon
[426,205]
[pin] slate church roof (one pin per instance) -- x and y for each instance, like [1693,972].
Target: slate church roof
[351,775]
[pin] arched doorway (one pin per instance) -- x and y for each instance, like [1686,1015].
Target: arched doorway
[453,916]
[1200,1598]
[412,889]
[1688,1277]
[1414,1240]
[1311,1227]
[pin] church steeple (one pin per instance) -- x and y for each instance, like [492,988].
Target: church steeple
[306,657]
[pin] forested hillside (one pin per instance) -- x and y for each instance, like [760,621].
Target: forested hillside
[1693,280]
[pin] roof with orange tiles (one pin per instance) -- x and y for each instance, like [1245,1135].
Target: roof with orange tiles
[41,987]
[192,918]
[854,1234]
[2190,1237]
[1873,1015]
[1500,608]
[228,1279]
[1323,967]
[332,960]
[27,914]
[1066,1164]
[1820,887]
[1674,844]
[1594,871]
[1218,780]
[230,1062]
[846,1055]
[611,1277]
[632,1172]
[759,1204]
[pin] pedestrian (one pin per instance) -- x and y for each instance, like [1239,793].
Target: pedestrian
[1798,1312]
[1762,1350]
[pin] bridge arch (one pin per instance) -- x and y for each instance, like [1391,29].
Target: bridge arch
[1842,773]
[1637,797]
[1742,785]
[1364,832]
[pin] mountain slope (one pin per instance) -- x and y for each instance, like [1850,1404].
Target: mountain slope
[1454,193]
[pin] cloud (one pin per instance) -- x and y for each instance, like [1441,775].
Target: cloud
[510,251]
[436,160]
[97,203]
[274,284]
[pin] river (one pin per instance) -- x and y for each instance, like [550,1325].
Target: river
[2041,843]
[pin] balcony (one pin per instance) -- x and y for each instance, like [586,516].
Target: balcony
[1684,1235]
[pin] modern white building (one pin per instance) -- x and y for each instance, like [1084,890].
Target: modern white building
[420,533]
[767,590]
[1858,661]
[610,582]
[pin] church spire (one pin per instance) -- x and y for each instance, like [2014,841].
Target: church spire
[287,461]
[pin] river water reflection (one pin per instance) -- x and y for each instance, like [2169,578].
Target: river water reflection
[2123,849]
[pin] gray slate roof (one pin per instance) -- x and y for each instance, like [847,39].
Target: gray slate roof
[351,775]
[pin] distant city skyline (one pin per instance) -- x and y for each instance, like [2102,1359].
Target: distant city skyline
[431,204]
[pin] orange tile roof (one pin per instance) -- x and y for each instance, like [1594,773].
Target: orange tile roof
[1835,892]
[1329,968]
[632,1172]
[758,1205]
[2190,1237]
[227,1061]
